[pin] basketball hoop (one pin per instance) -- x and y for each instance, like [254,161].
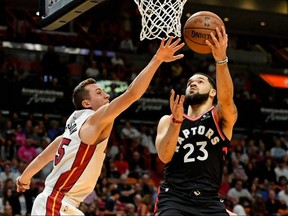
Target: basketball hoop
[160,17]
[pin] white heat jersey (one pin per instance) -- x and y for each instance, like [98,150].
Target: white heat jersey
[77,166]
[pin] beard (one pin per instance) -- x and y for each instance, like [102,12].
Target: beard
[196,99]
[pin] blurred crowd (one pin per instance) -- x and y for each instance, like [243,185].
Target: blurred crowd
[255,177]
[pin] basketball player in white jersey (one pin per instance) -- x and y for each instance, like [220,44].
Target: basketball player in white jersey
[79,153]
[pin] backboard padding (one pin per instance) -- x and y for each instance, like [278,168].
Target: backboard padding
[63,11]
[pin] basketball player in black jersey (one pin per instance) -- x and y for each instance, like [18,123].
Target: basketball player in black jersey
[193,145]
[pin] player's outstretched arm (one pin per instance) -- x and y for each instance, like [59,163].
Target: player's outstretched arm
[165,53]
[226,108]
[23,181]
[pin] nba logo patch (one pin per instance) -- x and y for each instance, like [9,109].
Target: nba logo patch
[65,209]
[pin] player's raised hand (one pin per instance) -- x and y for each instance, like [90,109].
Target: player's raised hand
[167,49]
[220,45]
[176,106]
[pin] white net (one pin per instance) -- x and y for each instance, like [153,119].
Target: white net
[160,18]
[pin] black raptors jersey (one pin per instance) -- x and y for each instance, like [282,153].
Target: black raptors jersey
[199,156]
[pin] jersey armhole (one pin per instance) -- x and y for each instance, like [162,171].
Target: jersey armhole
[216,120]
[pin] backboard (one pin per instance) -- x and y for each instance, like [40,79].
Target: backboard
[56,13]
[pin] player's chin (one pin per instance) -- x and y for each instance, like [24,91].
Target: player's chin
[192,92]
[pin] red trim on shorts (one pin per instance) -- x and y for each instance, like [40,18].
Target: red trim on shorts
[67,180]
[156,201]
[53,208]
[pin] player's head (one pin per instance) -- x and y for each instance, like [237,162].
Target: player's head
[200,88]
[88,95]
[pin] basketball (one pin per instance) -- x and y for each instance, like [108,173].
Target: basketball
[197,30]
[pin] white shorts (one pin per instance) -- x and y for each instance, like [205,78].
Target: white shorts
[67,207]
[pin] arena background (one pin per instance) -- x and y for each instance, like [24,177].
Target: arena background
[35,82]
[254,48]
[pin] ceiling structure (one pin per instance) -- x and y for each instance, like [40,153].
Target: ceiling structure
[244,16]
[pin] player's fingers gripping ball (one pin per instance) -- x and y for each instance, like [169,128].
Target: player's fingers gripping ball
[197,30]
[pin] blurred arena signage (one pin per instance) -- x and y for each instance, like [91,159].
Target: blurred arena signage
[275,114]
[148,110]
[113,87]
[275,118]
[41,95]
[150,104]
[276,81]
[41,99]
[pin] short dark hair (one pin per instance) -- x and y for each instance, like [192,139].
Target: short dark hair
[210,79]
[80,93]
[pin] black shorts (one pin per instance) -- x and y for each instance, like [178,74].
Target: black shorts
[192,203]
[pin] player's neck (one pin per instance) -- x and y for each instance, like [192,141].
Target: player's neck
[198,109]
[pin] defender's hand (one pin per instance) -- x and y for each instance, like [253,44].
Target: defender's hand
[21,187]
[166,51]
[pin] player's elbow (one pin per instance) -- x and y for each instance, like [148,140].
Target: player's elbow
[164,158]
[164,150]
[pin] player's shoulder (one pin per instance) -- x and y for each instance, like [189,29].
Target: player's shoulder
[165,118]
[164,121]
